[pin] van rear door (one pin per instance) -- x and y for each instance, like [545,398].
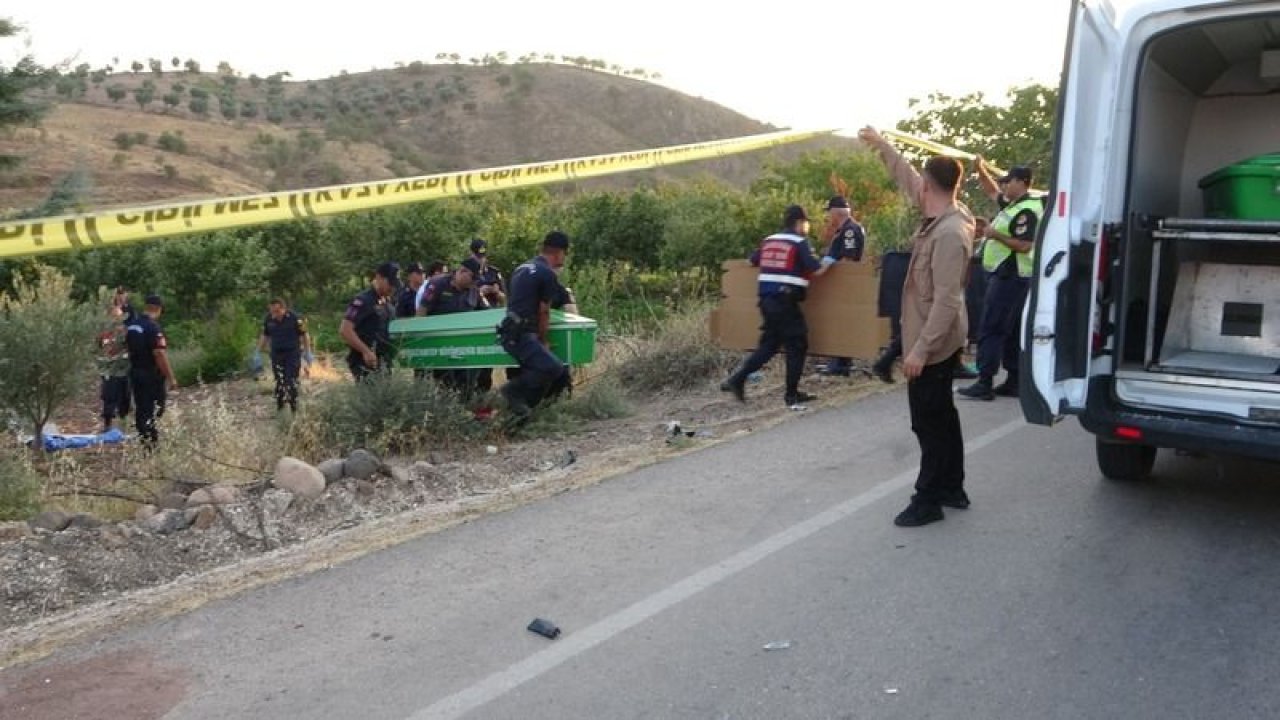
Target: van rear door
[1063,309]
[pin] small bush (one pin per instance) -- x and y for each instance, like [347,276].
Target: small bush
[678,356]
[387,412]
[124,140]
[19,487]
[601,399]
[172,142]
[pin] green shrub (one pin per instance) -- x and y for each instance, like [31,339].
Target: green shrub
[678,356]
[19,487]
[388,413]
[172,142]
[215,349]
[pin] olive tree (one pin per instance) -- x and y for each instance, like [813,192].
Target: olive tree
[47,344]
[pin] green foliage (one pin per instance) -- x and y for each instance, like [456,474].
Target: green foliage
[215,349]
[388,413]
[598,400]
[66,197]
[19,487]
[126,140]
[195,275]
[16,83]
[172,142]
[117,92]
[676,356]
[1018,131]
[47,342]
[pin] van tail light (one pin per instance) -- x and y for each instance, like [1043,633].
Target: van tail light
[1128,433]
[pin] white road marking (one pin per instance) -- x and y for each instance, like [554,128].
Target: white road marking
[571,645]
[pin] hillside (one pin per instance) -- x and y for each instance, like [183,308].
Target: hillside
[148,137]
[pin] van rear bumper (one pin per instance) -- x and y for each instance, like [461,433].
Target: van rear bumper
[1167,429]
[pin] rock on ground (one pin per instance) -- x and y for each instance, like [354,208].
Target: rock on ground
[167,521]
[333,469]
[298,478]
[362,464]
[51,520]
[214,495]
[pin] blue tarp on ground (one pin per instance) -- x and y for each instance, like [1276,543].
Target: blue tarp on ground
[58,441]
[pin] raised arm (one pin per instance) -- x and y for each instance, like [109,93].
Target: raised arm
[906,177]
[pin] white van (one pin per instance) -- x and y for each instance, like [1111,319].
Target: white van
[1155,312]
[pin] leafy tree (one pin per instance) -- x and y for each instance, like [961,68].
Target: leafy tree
[224,68]
[136,67]
[172,99]
[198,105]
[47,341]
[255,81]
[117,92]
[1018,131]
[157,67]
[16,107]
[192,67]
[199,273]
[175,62]
[97,77]
[144,94]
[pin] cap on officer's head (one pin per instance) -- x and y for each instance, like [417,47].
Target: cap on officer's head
[794,214]
[153,300]
[556,239]
[471,264]
[1017,172]
[838,201]
[479,247]
[415,268]
[390,271]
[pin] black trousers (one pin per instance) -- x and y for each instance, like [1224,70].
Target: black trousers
[542,374]
[148,402]
[286,365]
[893,350]
[784,328]
[115,398]
[998,337]
[936,424]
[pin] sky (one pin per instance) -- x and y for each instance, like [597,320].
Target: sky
[797,64]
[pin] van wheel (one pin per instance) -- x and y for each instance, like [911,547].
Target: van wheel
[1125,461]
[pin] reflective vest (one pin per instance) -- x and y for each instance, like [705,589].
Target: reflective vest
[995,252]
[782,264]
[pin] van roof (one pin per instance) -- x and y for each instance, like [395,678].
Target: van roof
[1134,10]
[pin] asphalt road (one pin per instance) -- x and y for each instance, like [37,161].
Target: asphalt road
[1058,595]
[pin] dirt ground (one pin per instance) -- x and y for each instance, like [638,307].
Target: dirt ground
[56,587]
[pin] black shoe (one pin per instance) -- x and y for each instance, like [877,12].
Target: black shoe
[977,391]
[1008,388]
[800,397]
[918,514]
[738,388]
[884,372]
[958,500]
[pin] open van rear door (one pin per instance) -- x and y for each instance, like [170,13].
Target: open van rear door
[1062,311]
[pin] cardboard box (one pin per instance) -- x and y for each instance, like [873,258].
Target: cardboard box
[840,311]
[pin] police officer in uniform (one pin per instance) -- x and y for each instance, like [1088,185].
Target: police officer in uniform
[490,282]
[454,293]
[407,302]
[846,242]
[286,335]
[786,263]
[1008,262]
[366,324]
[523,332]
[150,374]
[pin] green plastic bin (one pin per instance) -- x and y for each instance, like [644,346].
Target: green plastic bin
[469,340]
[1247,190]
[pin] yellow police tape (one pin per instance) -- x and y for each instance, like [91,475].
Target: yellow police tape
[102,229]
[935,147]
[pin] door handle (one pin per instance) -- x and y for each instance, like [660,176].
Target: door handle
[1052,265]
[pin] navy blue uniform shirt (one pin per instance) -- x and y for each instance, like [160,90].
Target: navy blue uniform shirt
[848,242]
[371,316]
[143,337]
[406,305]
[532,284]
[286,333]
[440,297]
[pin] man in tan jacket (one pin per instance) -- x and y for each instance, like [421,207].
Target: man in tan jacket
[935,326]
